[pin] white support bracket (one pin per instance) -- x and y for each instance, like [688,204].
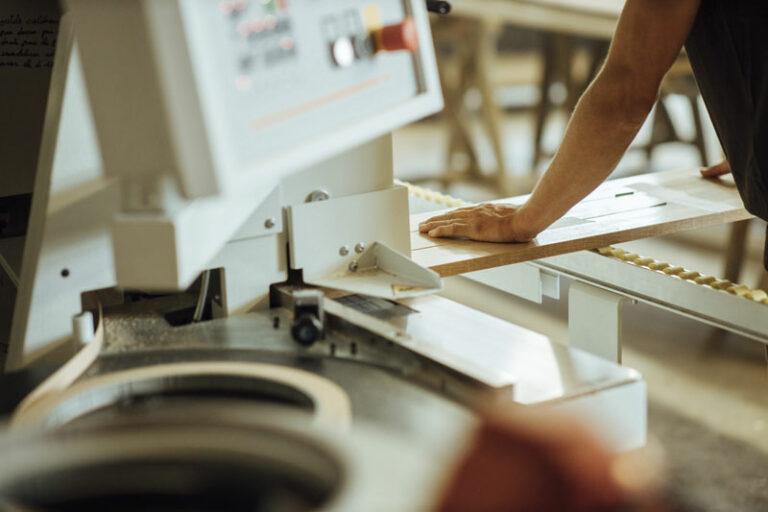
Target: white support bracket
[594,320]
[522,280]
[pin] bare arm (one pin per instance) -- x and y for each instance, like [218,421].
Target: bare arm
[648,39]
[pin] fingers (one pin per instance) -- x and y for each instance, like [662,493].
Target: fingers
[434,221]
[463,213]
[460,215]
[429,225]
[521,463]
[486,222]
[715,171]
[451,230]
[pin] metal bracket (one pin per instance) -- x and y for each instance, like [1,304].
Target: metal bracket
[382,272]
[523,280]
[594,320]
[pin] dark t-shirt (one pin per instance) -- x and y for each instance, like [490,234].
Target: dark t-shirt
[728,50]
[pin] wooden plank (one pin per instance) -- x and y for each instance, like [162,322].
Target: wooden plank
[619,211]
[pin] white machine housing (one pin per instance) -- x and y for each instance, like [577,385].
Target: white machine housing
[202,107]
[185,135]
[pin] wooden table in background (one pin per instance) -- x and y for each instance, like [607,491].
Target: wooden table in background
[586,26]
[589,18]
[474,26]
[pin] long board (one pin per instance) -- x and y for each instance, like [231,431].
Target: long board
[621,210]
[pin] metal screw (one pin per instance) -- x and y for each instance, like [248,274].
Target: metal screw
[270,223]
[360,247]
[318,195]
[353,266]
[343,250]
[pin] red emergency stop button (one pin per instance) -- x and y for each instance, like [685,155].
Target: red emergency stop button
[398,37]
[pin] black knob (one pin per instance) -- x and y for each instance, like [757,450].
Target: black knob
[307,329]
[438,6]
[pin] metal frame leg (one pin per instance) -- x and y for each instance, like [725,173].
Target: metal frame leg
[594,320]
[736,250]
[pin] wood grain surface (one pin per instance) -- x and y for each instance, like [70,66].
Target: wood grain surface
[619,211]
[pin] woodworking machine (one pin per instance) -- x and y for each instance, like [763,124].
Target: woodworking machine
[215,220]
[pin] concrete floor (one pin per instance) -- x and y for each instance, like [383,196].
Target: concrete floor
[708,390]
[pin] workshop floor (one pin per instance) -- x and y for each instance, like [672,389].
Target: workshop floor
[708,390]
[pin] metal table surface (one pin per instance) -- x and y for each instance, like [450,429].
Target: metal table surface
[395,385]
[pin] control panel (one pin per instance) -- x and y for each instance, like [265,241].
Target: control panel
[229,96]
[280,73]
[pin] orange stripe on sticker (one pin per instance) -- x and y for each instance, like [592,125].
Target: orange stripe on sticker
[285,115]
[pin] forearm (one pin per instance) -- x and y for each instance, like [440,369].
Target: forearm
[648,39]
[604,124]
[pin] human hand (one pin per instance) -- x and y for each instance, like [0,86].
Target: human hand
[483,223]
[716,171]
[539,461]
